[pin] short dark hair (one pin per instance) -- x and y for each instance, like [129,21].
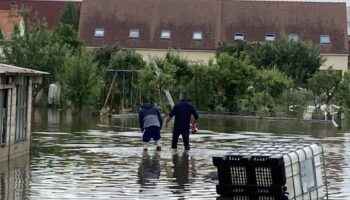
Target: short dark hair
[146,100]
[184,95]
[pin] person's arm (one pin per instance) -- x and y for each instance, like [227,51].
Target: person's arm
[171,115]
[195,115]
[141,120]
[160,119]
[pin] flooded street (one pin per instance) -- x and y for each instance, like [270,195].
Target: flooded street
[82,157]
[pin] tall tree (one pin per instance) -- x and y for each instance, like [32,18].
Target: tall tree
[80,79]
[298,60]
[70,15]
[233,79]
[36,49]
[343,95]
[325,84]
[65,35]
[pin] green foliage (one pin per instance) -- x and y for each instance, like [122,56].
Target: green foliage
[126,59]
[104,55]
[70,15]
[343,94]
[37,49]
[298,60]
[201,89]
[273,82]
[80,80]
[235,49]
[264,95]
[325,83]
[296,99]
[65,35]
[177,67]
[152,86]
[234,78]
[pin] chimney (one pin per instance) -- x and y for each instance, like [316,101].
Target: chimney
[14,10]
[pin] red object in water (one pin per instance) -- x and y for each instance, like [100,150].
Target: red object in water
[193,128]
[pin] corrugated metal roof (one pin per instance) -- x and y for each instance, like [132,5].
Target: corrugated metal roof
[11,69]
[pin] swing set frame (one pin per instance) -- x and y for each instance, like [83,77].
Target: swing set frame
[109,99]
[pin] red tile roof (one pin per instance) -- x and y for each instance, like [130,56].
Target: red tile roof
[50,10]
[308,20]
[182,17]
[217,19]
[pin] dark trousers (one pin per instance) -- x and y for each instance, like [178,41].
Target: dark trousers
[185,137]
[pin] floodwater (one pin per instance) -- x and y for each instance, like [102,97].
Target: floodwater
[79,156]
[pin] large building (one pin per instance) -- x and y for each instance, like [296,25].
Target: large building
[197,26]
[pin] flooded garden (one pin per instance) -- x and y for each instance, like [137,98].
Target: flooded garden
[83,157]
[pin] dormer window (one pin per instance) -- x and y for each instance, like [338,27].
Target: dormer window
[238,36]
[293,38]
[165,34]
[197,35]
[99,32]
[325,39]
[270,37]
[134,33]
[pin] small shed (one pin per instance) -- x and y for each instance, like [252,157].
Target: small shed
[16,88]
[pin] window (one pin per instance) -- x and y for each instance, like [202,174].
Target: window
[134,33]
[197,35]
[99,32]
[325,39]
[165,34]
[21,109]
[270,37]
[293,38]
[238,36]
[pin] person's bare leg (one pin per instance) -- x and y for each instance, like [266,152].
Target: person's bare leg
[145,144]
[158,145]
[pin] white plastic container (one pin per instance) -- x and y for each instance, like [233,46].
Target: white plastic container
[302,165]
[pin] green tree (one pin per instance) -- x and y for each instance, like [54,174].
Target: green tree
[233,79]
[324,84]
[36,49]
[298,60]
[65,35]
[70,15]
[80,80]
[127,59]
[237,48]
[265,95]
[273,81]
[204,95]
[103,55]
[343,94]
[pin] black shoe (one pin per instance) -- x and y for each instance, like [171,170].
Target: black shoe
[144,149]
[159,148]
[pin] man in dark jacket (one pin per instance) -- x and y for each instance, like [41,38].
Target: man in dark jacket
[150,123]
[182,112]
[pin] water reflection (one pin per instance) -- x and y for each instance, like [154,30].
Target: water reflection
[14,179]
[78,156]
[149,170]
[183,171]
